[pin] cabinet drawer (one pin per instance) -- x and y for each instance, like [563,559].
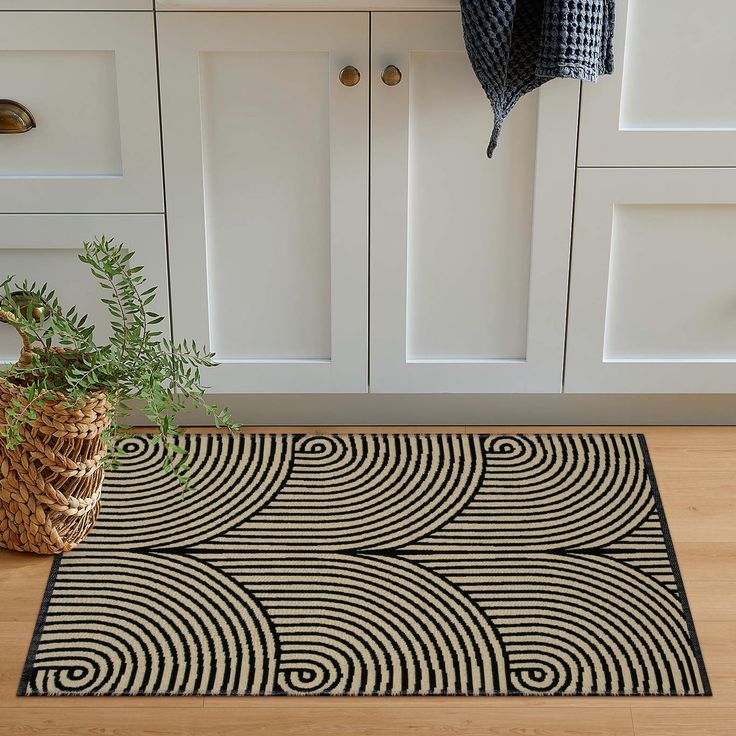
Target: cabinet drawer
[671,101]
[652,292]
[44,248]
[89,82]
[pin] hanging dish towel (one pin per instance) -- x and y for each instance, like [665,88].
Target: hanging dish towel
[515,46]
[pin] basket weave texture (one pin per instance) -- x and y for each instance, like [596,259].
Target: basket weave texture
[50,483]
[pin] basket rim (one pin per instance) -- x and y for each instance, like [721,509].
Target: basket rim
[56,397]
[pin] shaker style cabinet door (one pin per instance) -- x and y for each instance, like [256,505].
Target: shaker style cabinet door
[44,249]
[82,87]
[672,99]
[469,256]
[652,291]
[265,128]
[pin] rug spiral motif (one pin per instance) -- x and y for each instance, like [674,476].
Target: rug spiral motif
[177,619]
[374,564]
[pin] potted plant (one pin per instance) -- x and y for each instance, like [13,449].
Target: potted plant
[62,403]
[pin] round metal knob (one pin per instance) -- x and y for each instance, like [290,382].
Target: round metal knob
[349,76]
[391,75]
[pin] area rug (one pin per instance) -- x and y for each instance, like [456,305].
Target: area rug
[373,564]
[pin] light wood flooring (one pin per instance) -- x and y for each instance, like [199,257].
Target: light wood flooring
[696,471]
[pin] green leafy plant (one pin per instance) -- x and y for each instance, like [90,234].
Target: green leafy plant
[137,364]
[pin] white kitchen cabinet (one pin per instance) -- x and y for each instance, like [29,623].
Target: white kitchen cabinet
[273,166]
[266,160]
[671,101]
[469,256]
[44,248]
[652,293]
[89,83]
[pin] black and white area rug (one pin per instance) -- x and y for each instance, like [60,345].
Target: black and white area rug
[373,564]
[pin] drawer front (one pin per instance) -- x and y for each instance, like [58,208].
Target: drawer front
[671,101]
[44,249]
[89,82]
[652,293]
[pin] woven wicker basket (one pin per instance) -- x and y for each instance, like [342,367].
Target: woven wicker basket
[50,483]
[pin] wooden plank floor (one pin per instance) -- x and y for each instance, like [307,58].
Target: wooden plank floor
[696,470]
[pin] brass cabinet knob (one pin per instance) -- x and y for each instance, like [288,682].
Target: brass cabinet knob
[27,303]
[15,118]
[391,75]
[349,76]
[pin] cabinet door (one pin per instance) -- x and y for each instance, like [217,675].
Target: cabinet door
[652,291]
[469,256]
[671,101]
[266,160]
[89,82]
[44,248]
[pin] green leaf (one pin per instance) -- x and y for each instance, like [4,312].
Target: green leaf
[137,363]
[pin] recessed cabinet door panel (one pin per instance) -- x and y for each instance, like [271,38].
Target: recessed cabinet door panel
[266,156]
[652,292]
[88,81]
[671,101]
[468,255]
[44,249]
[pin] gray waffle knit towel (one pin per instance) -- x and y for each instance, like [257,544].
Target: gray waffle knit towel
[516,45]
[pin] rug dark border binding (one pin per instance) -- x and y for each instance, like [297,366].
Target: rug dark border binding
[687,613]
[39,627]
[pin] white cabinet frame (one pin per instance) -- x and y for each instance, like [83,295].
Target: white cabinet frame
[598,193]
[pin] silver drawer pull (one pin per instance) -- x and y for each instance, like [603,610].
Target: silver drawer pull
[15,118]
